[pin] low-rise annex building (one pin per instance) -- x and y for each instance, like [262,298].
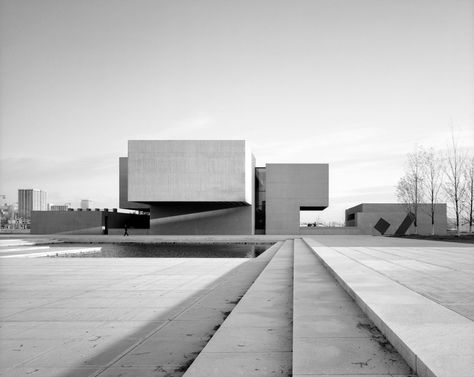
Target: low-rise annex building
[396,219]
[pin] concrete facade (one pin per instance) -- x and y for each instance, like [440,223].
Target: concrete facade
[291,188]
[365,216]
[189,171]
[203,187]
[84,222]
[208,220]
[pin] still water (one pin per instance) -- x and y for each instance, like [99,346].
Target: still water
[142,250]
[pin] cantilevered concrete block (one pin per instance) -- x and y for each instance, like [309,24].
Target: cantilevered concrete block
[190,171]
[191,186]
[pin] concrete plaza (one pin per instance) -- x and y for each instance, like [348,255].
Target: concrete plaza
[311,306]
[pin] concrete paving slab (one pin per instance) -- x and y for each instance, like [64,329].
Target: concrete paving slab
[48,372]
[435,340]
[251,339]
[351,375]
[322,294]
[199,312]
[351,356]
[144,371]
[231,364]
[163,350]
[15,352]
[332,326]
[87,352]
[252,315]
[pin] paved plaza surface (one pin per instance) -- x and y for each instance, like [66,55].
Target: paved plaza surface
[440,271]
[319,306]
[99,316]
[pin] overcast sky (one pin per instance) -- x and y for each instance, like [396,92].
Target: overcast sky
[353,83]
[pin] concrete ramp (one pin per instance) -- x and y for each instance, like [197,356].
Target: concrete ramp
[255,340]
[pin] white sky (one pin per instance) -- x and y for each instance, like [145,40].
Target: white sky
[354,83]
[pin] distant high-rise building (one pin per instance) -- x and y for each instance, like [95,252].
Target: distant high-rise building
[31,200]
[86,204]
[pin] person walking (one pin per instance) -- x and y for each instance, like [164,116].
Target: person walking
[125,233]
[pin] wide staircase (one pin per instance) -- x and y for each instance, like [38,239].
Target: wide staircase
[296,320]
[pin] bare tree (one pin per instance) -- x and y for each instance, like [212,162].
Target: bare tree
[454,186]
[469,180]
[431,180]
[409,188]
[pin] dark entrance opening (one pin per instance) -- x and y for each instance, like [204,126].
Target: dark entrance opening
[260,196]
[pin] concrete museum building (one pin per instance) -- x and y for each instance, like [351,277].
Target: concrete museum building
[213,187]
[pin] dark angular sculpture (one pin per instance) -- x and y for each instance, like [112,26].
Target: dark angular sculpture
[382,226]
[406,223]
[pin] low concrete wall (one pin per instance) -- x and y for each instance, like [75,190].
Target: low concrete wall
[84,222]
[49,222]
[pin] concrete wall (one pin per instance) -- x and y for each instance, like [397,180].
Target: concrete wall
[84,222]
[368,214]
[290,187]
[224,221]
[123,188]
[50,222]
[189,170]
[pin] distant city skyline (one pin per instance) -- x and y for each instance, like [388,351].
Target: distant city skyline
[356,84]
[31,200]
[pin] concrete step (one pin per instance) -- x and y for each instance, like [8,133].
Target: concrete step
[435,341]
[255,340]
[331,335]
